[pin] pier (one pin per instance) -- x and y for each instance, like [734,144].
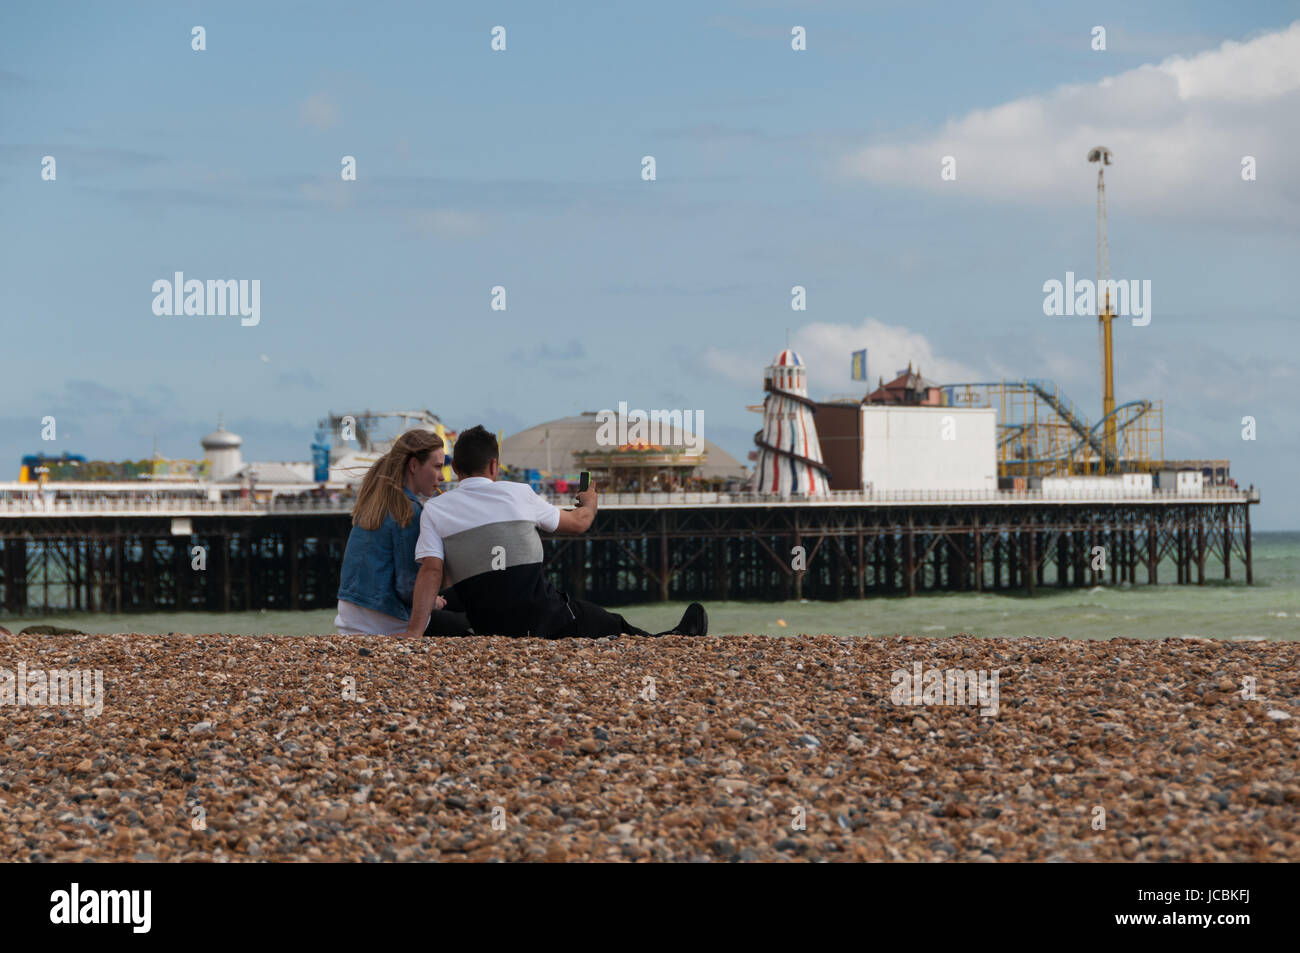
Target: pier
[87,552]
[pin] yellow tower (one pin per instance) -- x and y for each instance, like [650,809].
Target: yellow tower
[1101,155]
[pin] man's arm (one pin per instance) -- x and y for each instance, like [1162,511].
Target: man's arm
[579,520]
[427,584]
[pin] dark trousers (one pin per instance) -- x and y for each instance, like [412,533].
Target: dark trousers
[593,622]
[450,621]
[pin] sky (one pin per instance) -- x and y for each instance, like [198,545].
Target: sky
[523,168]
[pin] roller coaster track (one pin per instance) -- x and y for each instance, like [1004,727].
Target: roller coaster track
[1051,395]
[1143,406]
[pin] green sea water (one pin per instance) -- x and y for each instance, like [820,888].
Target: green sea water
[1270,609]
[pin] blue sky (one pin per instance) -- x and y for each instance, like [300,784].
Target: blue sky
[522,168]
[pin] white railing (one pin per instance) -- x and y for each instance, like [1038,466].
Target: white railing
[120,506]
[110,506]
[867,497]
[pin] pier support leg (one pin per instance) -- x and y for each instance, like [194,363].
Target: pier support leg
[862,570]
[117,569]
[798,573]
[1227,542]
[225,571]
[1200,549]
[1153,551]
[1250,562]
[910,567]
[291,543]
[663,556]
[1030,572]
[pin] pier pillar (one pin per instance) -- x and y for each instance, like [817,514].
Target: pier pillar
[246,544]
[1153,551]
[117,568]
[1029,565]
[15,573]
[910,567]
[979,555]
[1200,548]
[798,573]
[1227,542]
[724,574]
[862,569]
[1181,549]
[1250,563]
[663,556]
[225,570]
[291,542]
[181,572]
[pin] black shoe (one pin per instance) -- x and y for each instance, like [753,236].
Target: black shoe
[695,621]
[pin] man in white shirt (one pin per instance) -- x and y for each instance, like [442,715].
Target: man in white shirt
[481,540]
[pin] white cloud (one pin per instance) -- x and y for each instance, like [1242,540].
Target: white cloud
[825,349]
[320,111]
[1178,131]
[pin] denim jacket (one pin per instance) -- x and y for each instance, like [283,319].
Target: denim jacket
[379,566]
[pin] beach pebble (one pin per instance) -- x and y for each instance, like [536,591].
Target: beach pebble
[580,769]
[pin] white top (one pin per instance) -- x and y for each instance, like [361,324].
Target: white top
[358,620]
[476,502]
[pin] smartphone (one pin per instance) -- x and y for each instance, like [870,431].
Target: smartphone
[584,481]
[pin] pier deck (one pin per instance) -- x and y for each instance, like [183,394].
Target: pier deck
[127,555]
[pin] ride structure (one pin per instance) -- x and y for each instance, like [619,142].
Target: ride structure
[789,453]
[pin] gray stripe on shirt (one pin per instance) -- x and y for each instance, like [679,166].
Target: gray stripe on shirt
[470,552]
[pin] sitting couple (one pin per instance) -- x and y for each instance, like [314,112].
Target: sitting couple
[480,540]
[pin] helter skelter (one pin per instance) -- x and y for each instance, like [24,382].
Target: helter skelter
[789,454]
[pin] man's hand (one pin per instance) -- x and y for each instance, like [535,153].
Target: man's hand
[579,519]
[427,584]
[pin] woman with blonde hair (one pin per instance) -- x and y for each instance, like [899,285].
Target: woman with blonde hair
[379,567]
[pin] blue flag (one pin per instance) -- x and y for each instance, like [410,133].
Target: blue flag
[859,369]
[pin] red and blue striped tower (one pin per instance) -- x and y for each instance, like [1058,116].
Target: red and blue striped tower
[789,454]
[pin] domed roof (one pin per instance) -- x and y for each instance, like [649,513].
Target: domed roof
[788,358]
[527,449]
[222,439]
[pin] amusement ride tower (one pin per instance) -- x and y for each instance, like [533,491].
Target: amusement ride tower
[789,455]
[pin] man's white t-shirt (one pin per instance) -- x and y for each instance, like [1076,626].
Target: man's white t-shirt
[478,502]
[485,533]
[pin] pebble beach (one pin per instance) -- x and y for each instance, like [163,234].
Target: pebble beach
[220,748]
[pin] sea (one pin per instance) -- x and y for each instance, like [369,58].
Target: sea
[1268,610]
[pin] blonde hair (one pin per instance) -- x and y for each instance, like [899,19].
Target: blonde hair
[381,491]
